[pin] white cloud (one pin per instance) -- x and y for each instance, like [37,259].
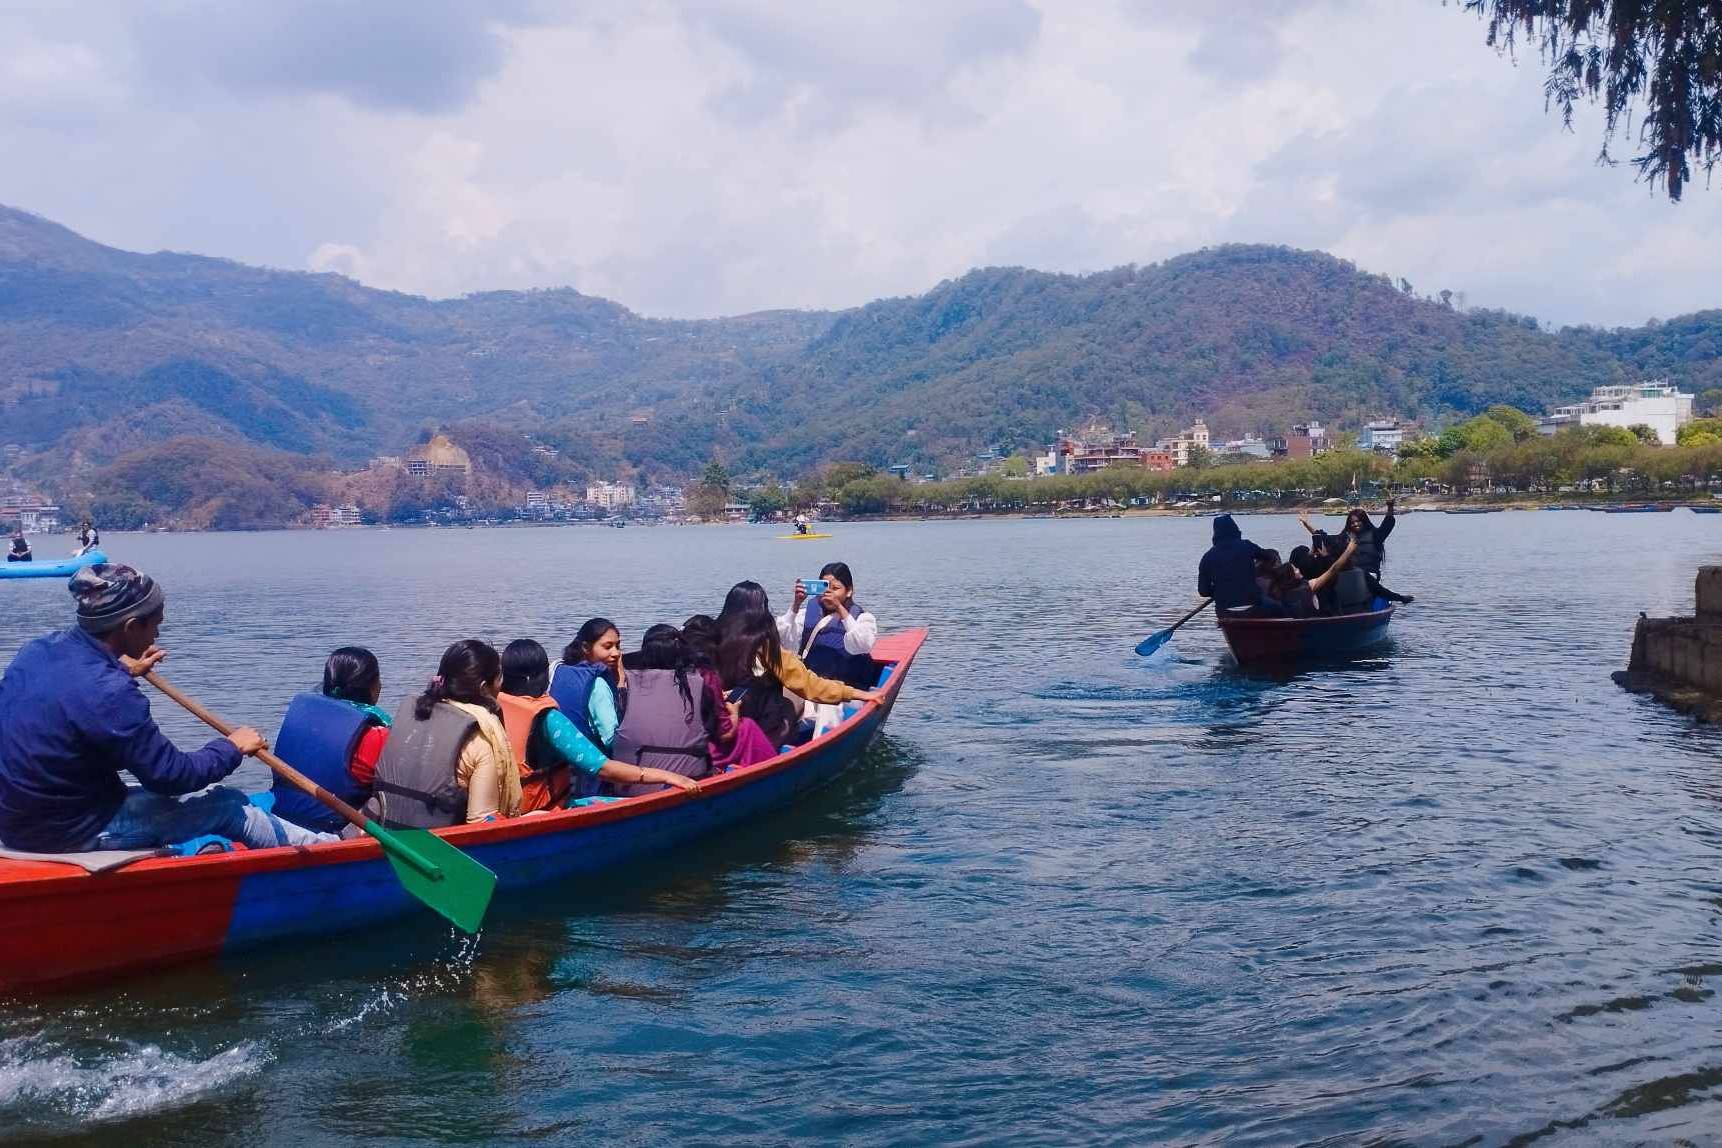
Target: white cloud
[716,156]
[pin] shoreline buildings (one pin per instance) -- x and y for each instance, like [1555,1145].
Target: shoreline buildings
[1659,405]
[1097,448]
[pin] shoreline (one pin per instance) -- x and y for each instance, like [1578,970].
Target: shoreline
[1417,505]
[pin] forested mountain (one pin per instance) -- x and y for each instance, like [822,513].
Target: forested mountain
[104,352]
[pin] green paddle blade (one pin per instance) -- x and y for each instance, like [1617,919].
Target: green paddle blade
[438,874]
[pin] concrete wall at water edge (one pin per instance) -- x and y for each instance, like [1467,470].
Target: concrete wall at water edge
[1679,660]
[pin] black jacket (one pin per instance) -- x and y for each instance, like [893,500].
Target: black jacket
[1227,573]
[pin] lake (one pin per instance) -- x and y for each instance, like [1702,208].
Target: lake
[1464,891]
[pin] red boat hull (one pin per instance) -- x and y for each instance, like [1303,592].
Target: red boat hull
[64,926]
[1282,641]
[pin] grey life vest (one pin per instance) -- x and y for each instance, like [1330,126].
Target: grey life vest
[415,786]
[660,730]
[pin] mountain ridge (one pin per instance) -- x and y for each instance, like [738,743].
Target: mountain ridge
[98,344]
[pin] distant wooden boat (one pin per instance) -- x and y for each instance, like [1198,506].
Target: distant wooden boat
[1636,508]
[1473,510]
[1705,509]
[1280,641]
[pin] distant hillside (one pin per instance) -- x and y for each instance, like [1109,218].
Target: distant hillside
[103,352]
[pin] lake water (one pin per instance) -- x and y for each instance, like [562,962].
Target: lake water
[1466,891]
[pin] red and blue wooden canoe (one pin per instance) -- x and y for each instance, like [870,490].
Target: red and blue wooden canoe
[61,925]
[1281,641]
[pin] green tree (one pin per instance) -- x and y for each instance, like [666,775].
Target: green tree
[705,500]
[1709,402]
[716,476]
[1699,432]
[1016,466]
[767,502]
[1667,55]
[1517,423]
[1200,458]
[1645,434]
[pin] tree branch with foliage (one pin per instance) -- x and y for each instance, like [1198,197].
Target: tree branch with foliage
[1663,54]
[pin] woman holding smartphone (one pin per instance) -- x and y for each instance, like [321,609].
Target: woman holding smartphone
[830,631]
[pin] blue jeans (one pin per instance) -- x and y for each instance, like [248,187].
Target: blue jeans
[148,820]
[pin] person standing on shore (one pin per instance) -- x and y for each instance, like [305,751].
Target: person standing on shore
[72,717]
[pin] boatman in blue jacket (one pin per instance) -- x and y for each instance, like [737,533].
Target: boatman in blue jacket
[72,717]
[1228,570]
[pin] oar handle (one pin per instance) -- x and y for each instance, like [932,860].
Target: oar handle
[1206,602]
[293,777]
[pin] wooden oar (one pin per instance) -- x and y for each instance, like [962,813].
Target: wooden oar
[1157,639]
[427,866]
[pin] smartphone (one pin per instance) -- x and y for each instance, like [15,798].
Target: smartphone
[815,586]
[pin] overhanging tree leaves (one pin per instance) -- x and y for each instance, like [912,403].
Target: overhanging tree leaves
[1665,55]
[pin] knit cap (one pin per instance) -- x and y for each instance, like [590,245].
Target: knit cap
[110,595]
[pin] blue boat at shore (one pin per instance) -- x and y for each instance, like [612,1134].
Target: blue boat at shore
[64,568]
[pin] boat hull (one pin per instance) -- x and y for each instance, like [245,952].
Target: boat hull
[1284,641]
[64,568]
[65,926]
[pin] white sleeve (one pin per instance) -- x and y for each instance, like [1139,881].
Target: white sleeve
[860,633]
[789,628]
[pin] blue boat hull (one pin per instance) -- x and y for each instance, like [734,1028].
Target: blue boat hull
[64,568]
[274,906]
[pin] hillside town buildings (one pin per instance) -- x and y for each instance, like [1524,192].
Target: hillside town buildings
[1659,405]
[1180,445]
[1383,435]
[1250,446]
[611,496]
[1097,448]
[438,456]
[1306,440]
[324,517]
[32,517]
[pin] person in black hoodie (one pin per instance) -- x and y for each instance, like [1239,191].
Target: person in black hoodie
[1227,573]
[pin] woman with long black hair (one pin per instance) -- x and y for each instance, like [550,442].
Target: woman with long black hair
[448,759]
[757,670]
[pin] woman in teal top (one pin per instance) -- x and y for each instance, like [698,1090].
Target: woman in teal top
[545,737]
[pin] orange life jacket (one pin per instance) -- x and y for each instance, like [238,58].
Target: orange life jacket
[541,787]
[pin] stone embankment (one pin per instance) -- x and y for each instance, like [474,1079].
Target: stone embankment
[1679,660]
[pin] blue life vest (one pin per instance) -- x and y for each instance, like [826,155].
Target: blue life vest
[317,738]
[825,654]
[571,687]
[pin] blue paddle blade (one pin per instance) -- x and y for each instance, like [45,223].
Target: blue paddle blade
[1152,642]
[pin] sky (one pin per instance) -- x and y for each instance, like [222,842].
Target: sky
[695,159]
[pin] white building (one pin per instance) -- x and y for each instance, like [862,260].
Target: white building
[1385,435]
[610,495]
[1250,446]
[1660,405]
